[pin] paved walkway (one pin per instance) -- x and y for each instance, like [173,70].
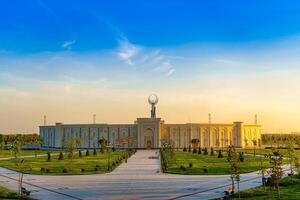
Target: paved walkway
[139,178]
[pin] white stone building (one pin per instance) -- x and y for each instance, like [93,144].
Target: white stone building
[151,132]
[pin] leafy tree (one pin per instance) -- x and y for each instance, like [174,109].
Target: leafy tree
[211,151]
[71,147]
[48,156]
[254,144]
[195,143]
[103,144]
[275,171]
[220,154]
[234,167]
[61,156]
[199,150]
[291,154]
[167,152]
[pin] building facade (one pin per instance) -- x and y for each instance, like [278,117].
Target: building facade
[152,132]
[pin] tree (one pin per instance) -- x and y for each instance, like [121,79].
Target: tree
[121,141]
[71,146]
[234,167]
[20,165]
[291,153]
[103,144]
[167,152]
[276,171]
[254,144]
[195,143]
[211,151]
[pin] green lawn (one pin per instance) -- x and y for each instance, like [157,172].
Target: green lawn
[290,190]
[215,165]
[9,194]
[9,153]
[266,151]
[74,166]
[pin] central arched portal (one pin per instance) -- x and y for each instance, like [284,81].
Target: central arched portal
[148,138]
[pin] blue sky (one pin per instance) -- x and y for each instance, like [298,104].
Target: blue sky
[40,25]
[230,58]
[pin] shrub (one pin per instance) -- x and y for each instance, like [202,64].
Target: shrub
[80,153]
[42,169]
[87,153]
[70,155]
[61,156]
[220,154]
[48,156]
[113,149]
[184,149]
[47,170]
[205,169]
[194,150]
[96,169]
[199,151]
[94,152]
[182,167]
[113,164]
[82,170]
[190,165]
[241,156]
[211,151]
[205,151]
[189,148]
[65,170]
[98,166]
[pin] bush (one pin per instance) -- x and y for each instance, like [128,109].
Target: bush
[82,170]
[189,148]
[61,156]
[194,150]
[211,151]
[87,153]
[205,151]
[199,151]
[65,170]
[113,149]
[190,165]
[183,168]
[205,169]
[47,170]
[48,156]
[43,169]
[70,155]
[220,154]
[94,152]
[98,166]
[241,156]
[96,169]
[184,149]
[80,153]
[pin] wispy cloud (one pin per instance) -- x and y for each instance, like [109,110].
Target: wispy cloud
[127,51]
[68,44]
[136,55]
